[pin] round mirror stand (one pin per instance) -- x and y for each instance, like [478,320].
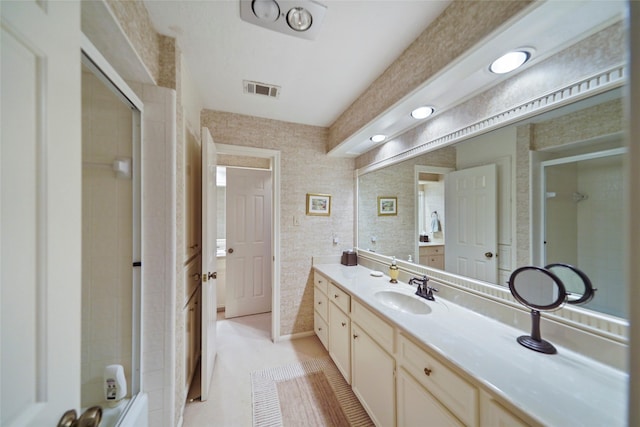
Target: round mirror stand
[535,341]
[542,289]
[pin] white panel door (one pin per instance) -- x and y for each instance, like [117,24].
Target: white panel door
[249,259]
[40,211]
[209,263]
[472,219]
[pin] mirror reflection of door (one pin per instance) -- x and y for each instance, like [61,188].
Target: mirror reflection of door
[472,218]
[583,218]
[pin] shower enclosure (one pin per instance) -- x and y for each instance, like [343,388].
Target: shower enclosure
[583,210]
[111,227]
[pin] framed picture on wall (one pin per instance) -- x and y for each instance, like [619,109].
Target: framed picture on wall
[387,206]
[318,204]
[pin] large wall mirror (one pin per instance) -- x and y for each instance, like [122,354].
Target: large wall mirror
[567,163]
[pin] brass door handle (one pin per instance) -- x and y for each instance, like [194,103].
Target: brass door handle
[89,418]
[488,254]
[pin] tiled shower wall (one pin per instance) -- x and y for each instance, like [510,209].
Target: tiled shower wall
[107,275]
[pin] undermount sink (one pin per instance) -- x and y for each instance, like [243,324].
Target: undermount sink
[403,302]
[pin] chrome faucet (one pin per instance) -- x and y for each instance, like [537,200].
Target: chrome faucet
[424,290]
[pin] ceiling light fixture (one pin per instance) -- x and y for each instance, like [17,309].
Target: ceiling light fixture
[422,112]
[378,138]
[300,18]
[510,61]
[266,10]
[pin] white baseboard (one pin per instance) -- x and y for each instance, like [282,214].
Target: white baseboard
[296,336]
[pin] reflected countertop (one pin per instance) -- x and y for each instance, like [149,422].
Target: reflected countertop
[432,243]
[564,389]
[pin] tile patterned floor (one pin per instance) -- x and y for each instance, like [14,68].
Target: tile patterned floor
[244,346]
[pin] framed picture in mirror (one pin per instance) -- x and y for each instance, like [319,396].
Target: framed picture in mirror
[387,206]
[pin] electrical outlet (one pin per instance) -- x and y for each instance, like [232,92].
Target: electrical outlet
[296,220]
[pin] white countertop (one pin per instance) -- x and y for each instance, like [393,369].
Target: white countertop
[431,243]
[563,389]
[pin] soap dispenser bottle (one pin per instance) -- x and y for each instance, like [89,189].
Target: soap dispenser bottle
[393,271]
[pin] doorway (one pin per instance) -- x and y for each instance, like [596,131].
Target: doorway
[261,159]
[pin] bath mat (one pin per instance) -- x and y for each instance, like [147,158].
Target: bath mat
[310,393]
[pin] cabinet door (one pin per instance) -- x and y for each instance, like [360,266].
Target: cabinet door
[373,378]
[416,406]
[321,329]
[339,340]
[492,414]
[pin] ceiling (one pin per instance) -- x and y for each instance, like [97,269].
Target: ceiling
[318,78]
[358,39]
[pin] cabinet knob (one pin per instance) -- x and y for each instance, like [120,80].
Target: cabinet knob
[319,302]
[355,336]
[427,371]
[319,329]
[336,295]
[344,324]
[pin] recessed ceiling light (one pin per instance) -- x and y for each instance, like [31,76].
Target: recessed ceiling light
[422,112]
[378,138]
[510,61]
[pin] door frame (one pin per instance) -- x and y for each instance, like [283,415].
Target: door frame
[274,156]
[418,169]
[102,69]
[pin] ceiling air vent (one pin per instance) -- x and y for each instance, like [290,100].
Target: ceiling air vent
[256,88]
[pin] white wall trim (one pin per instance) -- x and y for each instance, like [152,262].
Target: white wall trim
[274,155]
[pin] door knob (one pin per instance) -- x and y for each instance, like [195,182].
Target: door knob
[89,418]
[230,250]
[488,254]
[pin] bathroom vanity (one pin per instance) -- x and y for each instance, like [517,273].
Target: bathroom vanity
[416,362]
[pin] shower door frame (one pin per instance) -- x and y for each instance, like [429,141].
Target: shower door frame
[94,60]
[542,254]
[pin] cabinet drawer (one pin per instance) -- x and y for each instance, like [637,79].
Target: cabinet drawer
[321,329]
[320,282]
[339,297]
[460,397]
[377,328]
[435,261]
[321,303]
[432,250]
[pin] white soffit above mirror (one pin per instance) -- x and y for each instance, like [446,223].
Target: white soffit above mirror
[548,28]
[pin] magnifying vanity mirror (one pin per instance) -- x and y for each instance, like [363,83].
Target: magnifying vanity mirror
[538,289]
[544,289]
[577,284]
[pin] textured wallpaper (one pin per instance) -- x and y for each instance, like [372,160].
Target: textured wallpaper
[305,168]
[459,27]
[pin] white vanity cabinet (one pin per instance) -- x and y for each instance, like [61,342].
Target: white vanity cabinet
[453,392]
[432,256]
[416,406]
[321,309]
[373,377]
[373,365]
[494,414]
[339,330]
